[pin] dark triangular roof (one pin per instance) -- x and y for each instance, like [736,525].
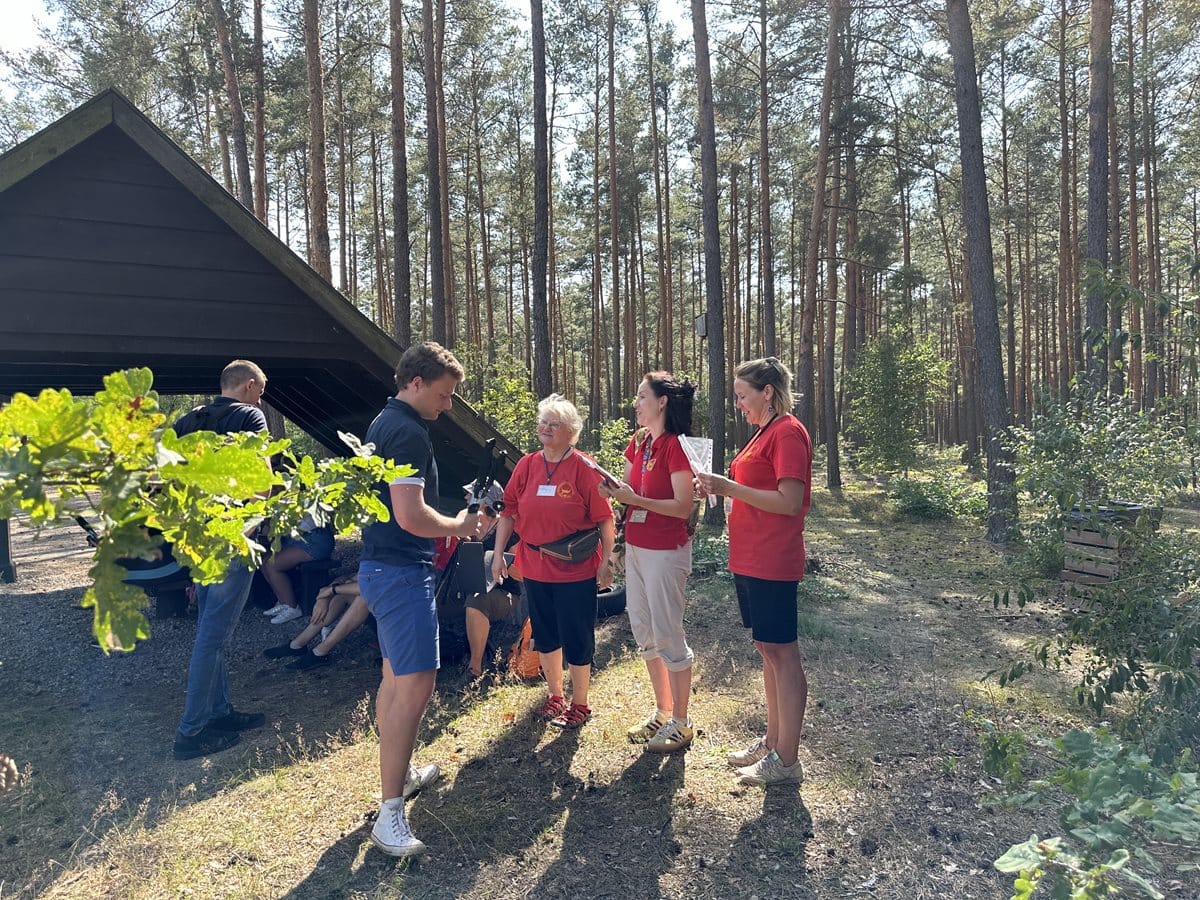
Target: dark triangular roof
[118,250]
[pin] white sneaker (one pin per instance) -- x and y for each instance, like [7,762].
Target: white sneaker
[420,778]
[325,632]
[771,770]
[275,610]
[391,833]
[287,614]
[752,754]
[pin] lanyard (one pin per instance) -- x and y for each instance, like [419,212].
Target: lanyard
[647,455]
[750,443]
[549,471]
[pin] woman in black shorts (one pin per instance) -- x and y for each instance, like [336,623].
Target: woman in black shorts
[769,484]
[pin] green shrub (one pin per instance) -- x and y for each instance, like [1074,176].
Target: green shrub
[942,496]
[614,438]
[1119,809]
[506,400]
[888,388]
[1090,450]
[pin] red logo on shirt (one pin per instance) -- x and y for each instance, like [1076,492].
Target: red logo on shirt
[565,490]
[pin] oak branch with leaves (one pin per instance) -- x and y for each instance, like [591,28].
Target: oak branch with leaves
[113,454]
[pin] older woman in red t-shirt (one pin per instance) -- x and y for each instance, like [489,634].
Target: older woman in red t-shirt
[657,493]
[770,484]
[551,495]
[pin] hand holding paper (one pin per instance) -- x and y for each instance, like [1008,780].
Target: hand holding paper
[699,453]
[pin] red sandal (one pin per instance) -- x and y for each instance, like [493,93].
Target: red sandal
[553,708]
[571,718]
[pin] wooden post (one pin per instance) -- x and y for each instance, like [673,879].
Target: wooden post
[8,572]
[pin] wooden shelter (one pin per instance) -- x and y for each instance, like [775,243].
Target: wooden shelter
[118,250]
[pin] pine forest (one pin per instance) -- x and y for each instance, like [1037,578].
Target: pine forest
[402,149]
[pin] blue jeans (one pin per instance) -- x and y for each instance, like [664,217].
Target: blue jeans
[220,607]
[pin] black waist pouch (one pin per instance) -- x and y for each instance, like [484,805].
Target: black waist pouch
[573,548]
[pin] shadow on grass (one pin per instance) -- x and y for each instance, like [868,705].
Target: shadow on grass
[499,805]
[625,826]
[506,804]
[769,853]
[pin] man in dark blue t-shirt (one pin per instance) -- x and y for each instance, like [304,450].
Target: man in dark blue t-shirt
[210,723]
[396,578]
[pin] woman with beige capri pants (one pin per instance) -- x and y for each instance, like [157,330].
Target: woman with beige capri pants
[657,493]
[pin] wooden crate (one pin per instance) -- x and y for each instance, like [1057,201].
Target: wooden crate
[1092,557]
[1095,543]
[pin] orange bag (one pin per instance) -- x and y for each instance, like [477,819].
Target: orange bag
[524,660]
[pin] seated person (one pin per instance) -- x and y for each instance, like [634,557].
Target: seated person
[340,598]
[314,543]
[504,605]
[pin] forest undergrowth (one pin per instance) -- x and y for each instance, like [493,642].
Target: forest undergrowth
[898,629]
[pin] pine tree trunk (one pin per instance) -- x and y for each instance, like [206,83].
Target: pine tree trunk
[806,379]
[770,345]
[237,115]
[614,248]
[714,311]
[260,128]
[1100,46]
[433,191]
[981,271]
[542,379]
[318,251]
[1065,277]
[402,244]
[666,338]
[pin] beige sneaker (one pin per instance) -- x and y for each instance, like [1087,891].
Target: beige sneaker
[771,770]
[670,737]
[645,730]
[752,754]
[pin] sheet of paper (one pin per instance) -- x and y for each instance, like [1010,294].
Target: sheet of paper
[699,453]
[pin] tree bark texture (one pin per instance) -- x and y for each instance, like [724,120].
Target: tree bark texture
[714,304]
[981,274]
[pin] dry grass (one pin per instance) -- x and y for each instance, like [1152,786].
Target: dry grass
[896,639]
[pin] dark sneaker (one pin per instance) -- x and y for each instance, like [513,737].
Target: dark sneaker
[238,721]
[282,651]
[308,661]
[209,740]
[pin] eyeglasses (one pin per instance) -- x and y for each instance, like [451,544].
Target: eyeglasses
[552,426]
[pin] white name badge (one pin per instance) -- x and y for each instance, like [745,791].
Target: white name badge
[638,516]
[546,490]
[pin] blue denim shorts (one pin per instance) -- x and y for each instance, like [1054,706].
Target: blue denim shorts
[318,544]
[401,598]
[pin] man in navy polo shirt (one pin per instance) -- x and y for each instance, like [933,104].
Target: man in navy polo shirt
[209,722]
[396,578]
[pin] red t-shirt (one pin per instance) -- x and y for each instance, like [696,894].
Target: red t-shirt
[443,549]
[543,517]
[651,467]
[763,544]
